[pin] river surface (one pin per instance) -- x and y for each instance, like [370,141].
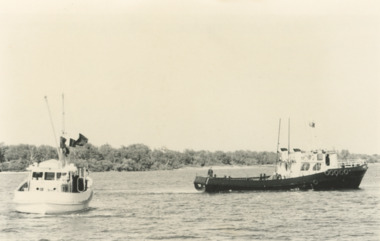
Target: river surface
[163,205]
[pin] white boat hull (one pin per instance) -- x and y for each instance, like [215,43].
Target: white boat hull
[51,202]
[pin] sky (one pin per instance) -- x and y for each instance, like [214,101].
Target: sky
[201,74]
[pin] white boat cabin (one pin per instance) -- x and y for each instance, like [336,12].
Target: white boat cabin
[300,163]
[50,176]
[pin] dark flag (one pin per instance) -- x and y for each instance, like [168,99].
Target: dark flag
[82,140]
[312,124]
[62,143]
[63,146]
[65,151]
[72,142]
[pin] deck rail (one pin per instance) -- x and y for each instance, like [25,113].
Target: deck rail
[351,163]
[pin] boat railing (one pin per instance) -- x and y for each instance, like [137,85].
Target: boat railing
[351,163]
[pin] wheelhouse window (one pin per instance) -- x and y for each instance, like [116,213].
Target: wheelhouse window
[49,176]
[61,174]
[317,167]
[305,166]
[37,175]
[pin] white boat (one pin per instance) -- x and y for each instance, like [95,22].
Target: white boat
[52,188]
[55,186]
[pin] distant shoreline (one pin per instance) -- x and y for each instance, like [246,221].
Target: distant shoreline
[140,157]
[216,167]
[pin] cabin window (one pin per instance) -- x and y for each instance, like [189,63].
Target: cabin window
[317,167]
[320,157]
[49,176]
[37,175]
[305,166]
[61,175]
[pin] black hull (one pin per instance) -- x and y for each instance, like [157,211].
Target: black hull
[333,179]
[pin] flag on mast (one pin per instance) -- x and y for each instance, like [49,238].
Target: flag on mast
[63,146]
[72,142]
[82,140]
[312,124]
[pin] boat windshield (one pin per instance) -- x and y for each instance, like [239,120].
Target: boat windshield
[49,176]
[37,175]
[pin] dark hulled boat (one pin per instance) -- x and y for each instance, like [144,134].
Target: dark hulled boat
[347,176]
[318,170]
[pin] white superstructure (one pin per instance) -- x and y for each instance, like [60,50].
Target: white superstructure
[299,163]
[52,188]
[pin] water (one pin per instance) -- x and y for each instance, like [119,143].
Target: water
[163,205]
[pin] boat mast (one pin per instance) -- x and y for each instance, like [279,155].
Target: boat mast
[288,138]
[52,126]
[64,158]
[278,144]
[63,114]
[278,140]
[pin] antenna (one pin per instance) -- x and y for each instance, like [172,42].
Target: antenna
[278,143]
[63,114]
[288,137]
[278,139]
[52,126]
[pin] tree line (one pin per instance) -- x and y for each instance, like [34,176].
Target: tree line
[138,157]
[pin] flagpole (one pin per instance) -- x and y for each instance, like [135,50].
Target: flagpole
[64,157]
[312,136]
[312,131]
[52,126]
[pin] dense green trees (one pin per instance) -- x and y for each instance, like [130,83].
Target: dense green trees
[138,157]
[18,157]
[3,148]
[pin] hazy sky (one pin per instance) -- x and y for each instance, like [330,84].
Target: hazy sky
[196,74]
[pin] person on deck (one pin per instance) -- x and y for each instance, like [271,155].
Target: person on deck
[210,172]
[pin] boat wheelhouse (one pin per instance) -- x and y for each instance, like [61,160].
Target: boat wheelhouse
[300,163]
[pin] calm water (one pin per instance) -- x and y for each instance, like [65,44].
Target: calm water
[163,205]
